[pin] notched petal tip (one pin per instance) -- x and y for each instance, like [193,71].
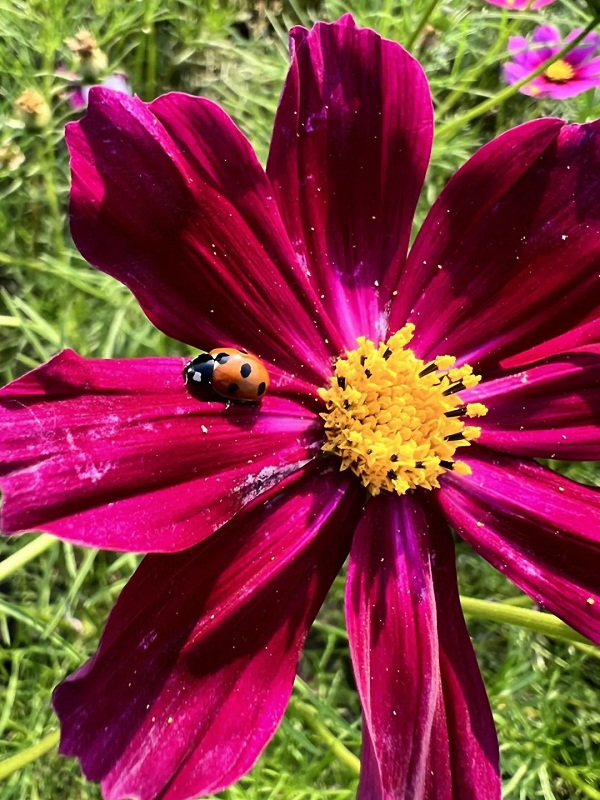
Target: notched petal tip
[350,148]
[299,34]
[170,199]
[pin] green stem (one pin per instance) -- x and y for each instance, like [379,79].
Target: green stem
[149,31]
[469,76]
[519,600]
[546,624]
[444,131]
[20,760]
[310,717]
[421,24]
[573,778]
[45,155]
[27,553]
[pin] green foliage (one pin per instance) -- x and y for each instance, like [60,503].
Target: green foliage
[544,693]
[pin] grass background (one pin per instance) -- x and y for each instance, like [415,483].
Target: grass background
[545,694]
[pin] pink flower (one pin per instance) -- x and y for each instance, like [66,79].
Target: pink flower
[78,93]
[521,5]
[577,72]
[245,518]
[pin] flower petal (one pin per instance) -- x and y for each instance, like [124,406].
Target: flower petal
[537,527]
[520,5]
[589,71]
[550,410]
[508,256]
[118,454]
[585,50]
[464,745]
[524,54]
[538,88]
[198,658]
[562,91]
[428,732]
[580,339]
[350,149]
[516,72]
[170,199]
[547,35]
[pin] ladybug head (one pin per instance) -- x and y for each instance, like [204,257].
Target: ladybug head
[199,369]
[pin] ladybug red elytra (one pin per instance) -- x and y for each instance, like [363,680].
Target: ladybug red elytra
[232,373]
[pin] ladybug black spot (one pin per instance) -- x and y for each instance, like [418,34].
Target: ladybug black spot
[261,388]
[222,358]
[245,370]
[232,388]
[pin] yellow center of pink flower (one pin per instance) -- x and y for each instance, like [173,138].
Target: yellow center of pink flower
[560,71]
[396,421]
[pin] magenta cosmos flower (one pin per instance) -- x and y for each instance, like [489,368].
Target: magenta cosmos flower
[521,5]
[577,72]
[243,508]
[79,93]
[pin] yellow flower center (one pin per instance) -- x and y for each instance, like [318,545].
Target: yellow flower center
[396,421]
[560,71]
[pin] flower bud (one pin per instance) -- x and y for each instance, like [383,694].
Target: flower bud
[11,157]
[92,61]
[34,110]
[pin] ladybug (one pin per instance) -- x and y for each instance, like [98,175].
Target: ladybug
[235,374]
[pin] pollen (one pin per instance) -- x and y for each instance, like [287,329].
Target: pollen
[560,71]
[396,421]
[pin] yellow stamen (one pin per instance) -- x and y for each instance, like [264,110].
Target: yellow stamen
[395,421]
[560,71]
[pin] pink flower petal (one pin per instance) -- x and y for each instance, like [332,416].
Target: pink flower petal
[428,732]
[517,45]
[78,97]
[118,454]
[464,745]
[547,35]
[508,256]
[584,50]
[524,54]
[583,338]
[520,5]
[562,91]
[350,149]
[197,661]
[589,71]
[537,527]
[170,199]
[513,73]
[539,87]
[547,411]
